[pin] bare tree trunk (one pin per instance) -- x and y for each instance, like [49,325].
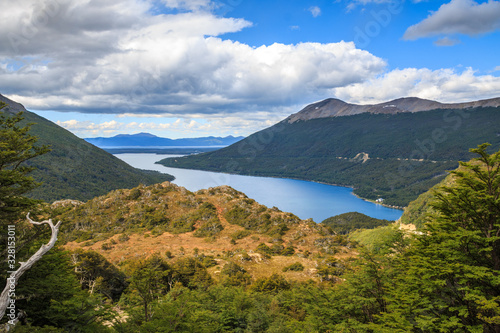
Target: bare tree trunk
[9,290]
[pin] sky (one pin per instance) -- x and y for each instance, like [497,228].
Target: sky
[192,68]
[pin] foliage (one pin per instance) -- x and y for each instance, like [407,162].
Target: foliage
[98,275]
[191,273]
[347,222]
[240,234]
[376,239]
[235,275]
[17,146]
[150,279]
[260,220]
[51,296]
[459,253]
[295,267]
[273,283]
[210,224]
[444,279]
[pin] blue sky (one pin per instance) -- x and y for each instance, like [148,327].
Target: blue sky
[188,68]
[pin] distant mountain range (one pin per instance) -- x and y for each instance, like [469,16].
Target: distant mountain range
[75,169]
[394,150]
[150,140]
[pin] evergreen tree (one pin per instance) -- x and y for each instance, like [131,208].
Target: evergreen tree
[17,146]
[449,278]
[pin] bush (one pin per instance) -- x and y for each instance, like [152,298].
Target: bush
[106,246]
[240,234]
[123,238]
[134,194]
[274,283]
[295,267]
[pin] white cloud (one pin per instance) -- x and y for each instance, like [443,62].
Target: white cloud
[177,64]
[221,125]
[315,11]
[118,57]
[458,17]
[444,85]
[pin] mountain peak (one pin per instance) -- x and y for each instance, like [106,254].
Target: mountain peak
[12,107]
[333,107]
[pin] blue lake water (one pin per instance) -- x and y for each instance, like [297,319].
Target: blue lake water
[302,198]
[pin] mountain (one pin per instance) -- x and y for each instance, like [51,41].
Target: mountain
[395,155]
[150,140]
[336,108]
[75,168]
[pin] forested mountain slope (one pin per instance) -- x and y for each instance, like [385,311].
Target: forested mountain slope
[74,168]
[395,156]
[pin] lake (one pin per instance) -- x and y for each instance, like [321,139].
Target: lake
[302,198]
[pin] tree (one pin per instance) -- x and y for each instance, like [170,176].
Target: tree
[235,275]
[8,292]
[98,275]
[449,279]
[150,280]
[50,295]
[273,283]
[17,146]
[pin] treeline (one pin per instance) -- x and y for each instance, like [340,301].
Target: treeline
[345,223]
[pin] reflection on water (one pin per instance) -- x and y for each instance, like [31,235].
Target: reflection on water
[302,198]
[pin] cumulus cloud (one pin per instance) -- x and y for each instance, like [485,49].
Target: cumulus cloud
[171,127]
[116,56]
[444,85]
[125,57]
[458,17]
[315,11]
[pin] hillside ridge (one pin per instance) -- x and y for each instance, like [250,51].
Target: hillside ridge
[75,169]
[333,107]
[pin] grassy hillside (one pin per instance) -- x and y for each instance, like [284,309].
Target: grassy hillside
[219,222]
[396,157]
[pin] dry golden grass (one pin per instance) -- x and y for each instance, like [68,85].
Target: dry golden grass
[301,236]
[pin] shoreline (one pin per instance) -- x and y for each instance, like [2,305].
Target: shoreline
[305,180]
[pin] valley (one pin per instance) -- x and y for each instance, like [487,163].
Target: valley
[127,259]
[302,198]
[206,166]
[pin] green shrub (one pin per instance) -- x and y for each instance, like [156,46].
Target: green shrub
[240,234]
[295,267]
